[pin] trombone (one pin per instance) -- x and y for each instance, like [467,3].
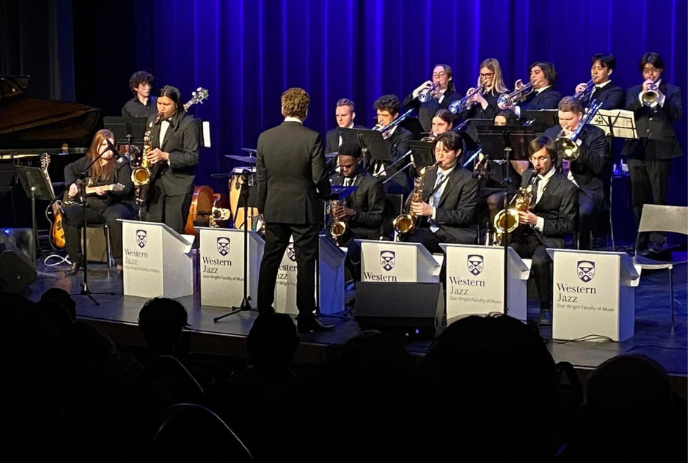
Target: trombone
[394,123]
[459,106]
[506,101]
[567,146]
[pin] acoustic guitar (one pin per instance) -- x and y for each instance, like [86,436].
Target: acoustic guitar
[54,212]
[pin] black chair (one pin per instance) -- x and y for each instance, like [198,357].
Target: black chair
[173,376]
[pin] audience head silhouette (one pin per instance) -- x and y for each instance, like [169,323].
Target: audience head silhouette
[272,340]
[162,320]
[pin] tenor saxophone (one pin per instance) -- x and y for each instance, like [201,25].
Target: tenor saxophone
[140,173]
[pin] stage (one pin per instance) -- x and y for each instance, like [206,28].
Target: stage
[117,316]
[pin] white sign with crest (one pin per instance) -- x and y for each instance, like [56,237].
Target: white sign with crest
[593,294]
[221,266]
[388,261]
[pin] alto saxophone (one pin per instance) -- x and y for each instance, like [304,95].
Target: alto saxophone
[140,173]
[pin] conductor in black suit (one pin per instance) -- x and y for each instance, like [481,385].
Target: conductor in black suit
[362,210]
[543,76]
[397,139]
[545,224]
[585,171]
[175,141]
[290,169]
[649,156]
[345,115]
[611,96]
[440,97]
[450,195]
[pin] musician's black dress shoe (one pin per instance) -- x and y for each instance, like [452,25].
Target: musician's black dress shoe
[310,325]
[74,268]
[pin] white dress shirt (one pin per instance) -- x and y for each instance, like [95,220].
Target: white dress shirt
[440,190]
[163,130]
[543,180]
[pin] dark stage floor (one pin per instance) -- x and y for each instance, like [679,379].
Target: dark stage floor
[117,316]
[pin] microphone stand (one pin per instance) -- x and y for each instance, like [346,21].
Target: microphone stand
[245,305]
[506,182]
[84,204]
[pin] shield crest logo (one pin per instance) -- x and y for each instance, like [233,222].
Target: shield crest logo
[141,238]
[475,263]
[387,260]
[291,253]
[223,245]
[586,270]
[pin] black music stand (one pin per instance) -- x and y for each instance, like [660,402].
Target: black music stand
[35,186]
[541,119]
[245,305]
[413,125]
[373,145]
[469,128]
[506,143]
[127,130]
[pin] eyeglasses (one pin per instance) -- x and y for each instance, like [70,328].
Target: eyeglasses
[487,74]
[439,74]
[651,70]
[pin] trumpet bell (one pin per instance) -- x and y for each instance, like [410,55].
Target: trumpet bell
[140,176]
[506,220]
[567,149]
[404,224]
[650,97]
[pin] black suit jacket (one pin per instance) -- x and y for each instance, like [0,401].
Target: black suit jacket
[368,203]
[549,98]
[655,123]
[428,109]
[593,159]
[290,171]
[332,138]
[456,210]
[612,96]
[558,206]
[182,139]
[398,144]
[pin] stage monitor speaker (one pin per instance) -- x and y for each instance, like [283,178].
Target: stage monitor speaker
[16,270]
[412,309]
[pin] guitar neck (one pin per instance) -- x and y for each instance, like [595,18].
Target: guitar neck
[91,190]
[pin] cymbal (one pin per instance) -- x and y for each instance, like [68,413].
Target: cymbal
[249,150]
[249,159]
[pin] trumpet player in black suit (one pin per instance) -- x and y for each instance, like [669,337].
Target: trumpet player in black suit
[600,87]
[586,169]
[656,105]
[175,140]
[361,212]
[539,93]
[433,95]
[551,216]
[483,104]
[448,200]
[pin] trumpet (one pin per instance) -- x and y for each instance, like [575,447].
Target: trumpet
[506,101]
[506,220]
[651,96]
[567,146]
[585,94]
[425,95]
[458,106]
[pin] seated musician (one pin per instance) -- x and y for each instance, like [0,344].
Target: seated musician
[483,105]
[547,221]
[345,115]
[449,197]
[362,210]
[106,203]
[611,96]
[397,138]
[585,171]
[543,77]
[143,104]
[442,122]
[440,97]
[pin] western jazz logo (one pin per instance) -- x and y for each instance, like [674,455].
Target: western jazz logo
[141,238]
[586,270]
[223,245]
[387,260]
[291,253]
[476,264]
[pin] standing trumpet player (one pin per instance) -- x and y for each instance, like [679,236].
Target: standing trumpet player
[483,105]
[173,158]
[656,105]
[539,93]
[600,87]
[433,95]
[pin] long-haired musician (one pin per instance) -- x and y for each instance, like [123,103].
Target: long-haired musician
[175,140]
[656,105]
[437,93]
[483,105]
[107,201]
[442,122]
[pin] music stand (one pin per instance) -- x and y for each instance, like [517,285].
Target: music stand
[413,125]
[616,123]
[470,130]
[541,119]
[127,130]
[6,177]
[373,145]
[35,186]
[506,143]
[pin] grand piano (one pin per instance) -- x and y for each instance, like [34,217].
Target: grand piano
[30,127]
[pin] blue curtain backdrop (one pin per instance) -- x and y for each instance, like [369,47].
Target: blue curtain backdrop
[248,52]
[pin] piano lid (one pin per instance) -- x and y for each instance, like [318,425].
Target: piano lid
[35,123]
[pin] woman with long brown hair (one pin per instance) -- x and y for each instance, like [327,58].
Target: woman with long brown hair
[109,195]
